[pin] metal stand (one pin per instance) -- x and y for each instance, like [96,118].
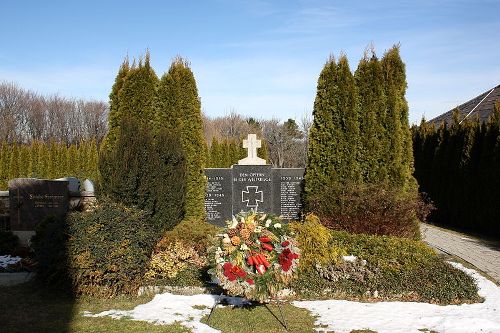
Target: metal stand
[282,321]
[215,305]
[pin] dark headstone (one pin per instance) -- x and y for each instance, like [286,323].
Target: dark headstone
[32,200]
[287,190]
[218,197]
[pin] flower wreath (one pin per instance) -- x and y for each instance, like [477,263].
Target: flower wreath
[256,257]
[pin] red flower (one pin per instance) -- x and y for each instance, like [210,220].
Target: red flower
[250,281]
[285,243]
[285,259]
[232,272]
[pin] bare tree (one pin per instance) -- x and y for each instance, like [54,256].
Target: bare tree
[27,116]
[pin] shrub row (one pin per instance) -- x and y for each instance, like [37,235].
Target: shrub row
[458,166]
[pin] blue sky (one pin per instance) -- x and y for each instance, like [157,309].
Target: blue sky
[260,58]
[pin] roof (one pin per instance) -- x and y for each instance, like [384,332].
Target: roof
[481,106]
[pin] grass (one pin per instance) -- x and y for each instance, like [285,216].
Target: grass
[33,308]
[260,319]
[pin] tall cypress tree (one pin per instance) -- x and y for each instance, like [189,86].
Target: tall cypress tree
[348,113]
[14,162]
[319,165]
[334,138]
[4,165]
[114,118]
[179,108]
[214,150]
[375,146]
[137,96]
[400,155]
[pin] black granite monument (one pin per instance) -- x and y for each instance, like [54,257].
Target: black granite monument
[32,200]
[253,185]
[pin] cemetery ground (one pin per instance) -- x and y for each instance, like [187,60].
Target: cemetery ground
[33,307]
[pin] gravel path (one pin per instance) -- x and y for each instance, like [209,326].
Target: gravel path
[482,254]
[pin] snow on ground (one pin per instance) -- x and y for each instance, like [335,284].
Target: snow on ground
[169,308]
[405,317]
[340,316]
[8,260]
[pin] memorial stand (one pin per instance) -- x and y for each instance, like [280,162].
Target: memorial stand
[282,321]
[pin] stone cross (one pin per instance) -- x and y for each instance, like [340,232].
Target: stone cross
[251,144]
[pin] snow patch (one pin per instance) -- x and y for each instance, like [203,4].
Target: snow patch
[349,258]
[168,308]
[340,316]
[8,260]
[404,317]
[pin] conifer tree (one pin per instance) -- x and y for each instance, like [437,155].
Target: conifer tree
[52,162]
[214,151]
[179,108]
[348,113]
[137,96]
[400,155]
[4,165]
[14,171]
[24,158]
[334,137]
[114,118]
[374,139]
[319,164]
[262,152]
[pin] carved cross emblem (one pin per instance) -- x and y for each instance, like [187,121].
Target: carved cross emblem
[252,196]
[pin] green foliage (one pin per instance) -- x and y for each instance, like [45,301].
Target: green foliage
[359,142]
[49,160]
[104,252]
[195,233]
[334,135]
[8,242]
[137,95]
[371,209]
[114,118]
[400,269]
[458,166]
[375,138]
[400,156]
[315,243]
[178,107]
[147,173]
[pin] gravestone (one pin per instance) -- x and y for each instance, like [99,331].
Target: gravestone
[253,185]
[32,200]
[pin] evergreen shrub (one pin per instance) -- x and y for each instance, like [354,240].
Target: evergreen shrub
[104,252]
[371,209]
[180,257]
[315,243]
